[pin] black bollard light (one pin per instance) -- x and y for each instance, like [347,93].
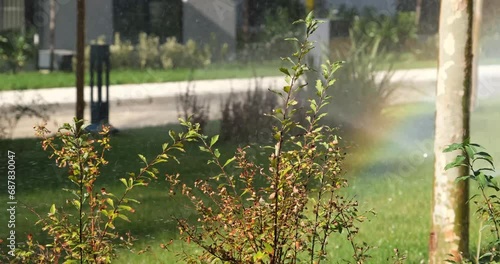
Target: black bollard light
[99,73]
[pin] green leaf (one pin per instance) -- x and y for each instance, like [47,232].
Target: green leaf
[463,178]
[309,17]
[298,21]
[143,158]
[275,92]
[172,135]
[229,161]
[459,161]
[470,151]
[131,200]
[277,136]
[453,147]
[313,106]
[289,60]
[124,217]
[489,160]
[485,155]
[110,202]
[214,140]
[110,225]
[285,71]
[287,88]
[52,209]
[482,180]
[202,148]
[268,248]
[125,207]
[257,257]
[76,203]
[493,184]
[319,86]
[124,181]
[216,153]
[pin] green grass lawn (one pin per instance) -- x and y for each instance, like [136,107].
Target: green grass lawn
[387,177]
[36,80]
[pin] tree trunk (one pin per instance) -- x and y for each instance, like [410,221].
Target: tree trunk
[450,212]
[80,59]
[476,46]
[246,22]
[52,33]
[418,12]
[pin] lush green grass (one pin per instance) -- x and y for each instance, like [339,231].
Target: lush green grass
[35,80]
[385,177]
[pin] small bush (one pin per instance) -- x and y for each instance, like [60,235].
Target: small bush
[363,87]
[394,32]
[121,53]
[283,211]
[147,51]
[189,107]
[15,50]
[482,170]
[83,229]
[176,55]
[243,119]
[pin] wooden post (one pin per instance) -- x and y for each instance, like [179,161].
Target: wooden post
[80,60]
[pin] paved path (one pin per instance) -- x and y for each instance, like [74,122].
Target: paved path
[138,105]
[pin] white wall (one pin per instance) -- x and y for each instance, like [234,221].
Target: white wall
[99,22]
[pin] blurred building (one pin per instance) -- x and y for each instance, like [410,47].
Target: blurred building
[98,22]
[210,22]
[12,15]
[183,19]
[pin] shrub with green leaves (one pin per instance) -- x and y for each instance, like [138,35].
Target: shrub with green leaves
[394,32]
[190,108]
[285,210]
[171,54]
[241,116]
[148,51]
[15,50]
[482,169]
[121,53]
[363,87]
[175,55]
[83,229]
